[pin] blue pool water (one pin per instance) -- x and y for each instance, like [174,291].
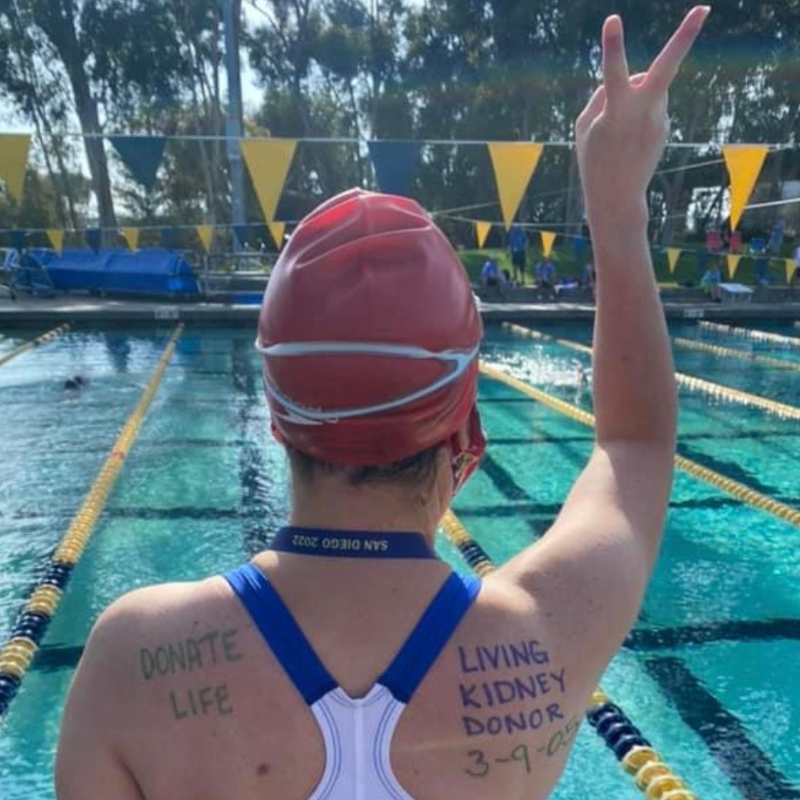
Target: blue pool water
[709,674]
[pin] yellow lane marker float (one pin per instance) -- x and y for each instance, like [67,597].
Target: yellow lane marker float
[783,410]
[26,636]
[738,490]
[653,777]
[749,333]
[38,342]
[727,352]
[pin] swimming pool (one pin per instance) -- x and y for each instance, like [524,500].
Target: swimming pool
[708,674]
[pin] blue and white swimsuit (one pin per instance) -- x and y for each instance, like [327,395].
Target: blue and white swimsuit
[357,732]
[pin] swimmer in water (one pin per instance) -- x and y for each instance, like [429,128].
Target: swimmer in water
[75,384]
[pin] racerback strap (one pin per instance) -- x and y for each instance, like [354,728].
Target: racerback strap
[293,650]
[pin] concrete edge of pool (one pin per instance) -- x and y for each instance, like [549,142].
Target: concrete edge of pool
[31,312]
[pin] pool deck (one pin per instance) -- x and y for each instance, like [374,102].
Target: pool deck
[91,311]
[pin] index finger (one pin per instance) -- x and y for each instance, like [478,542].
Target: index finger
[668,62]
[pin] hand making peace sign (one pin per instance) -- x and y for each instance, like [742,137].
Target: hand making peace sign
[622,131]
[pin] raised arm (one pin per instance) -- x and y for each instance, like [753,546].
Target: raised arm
[592,567]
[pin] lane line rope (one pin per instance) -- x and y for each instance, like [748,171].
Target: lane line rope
[26,636]
[750,333]
[738,490]
[33,343]
[727,352]
[690,382]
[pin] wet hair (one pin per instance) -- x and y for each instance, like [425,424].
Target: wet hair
[417,471]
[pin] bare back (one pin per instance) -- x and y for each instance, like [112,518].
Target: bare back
[195,705]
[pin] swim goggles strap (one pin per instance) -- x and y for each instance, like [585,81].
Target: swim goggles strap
[459,362]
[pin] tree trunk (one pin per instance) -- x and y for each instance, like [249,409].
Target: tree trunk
[86,107]
[57,196]
[65,179]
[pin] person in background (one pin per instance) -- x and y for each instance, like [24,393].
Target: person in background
[545,274]
[517,247]
[711,280]
[492,277]
[776,237]
[347,660]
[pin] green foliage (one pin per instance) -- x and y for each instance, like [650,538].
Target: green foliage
[39,207]
[472,70]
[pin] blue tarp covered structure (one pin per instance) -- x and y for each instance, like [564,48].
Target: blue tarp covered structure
[153,272]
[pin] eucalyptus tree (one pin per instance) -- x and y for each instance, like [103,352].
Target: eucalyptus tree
[105,53]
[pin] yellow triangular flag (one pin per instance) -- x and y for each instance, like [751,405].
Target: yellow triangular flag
[268,164]
[482,232]
[13,161]
[744,164]
[205,233]
[673,255]
[277,229]
[790,268]
[514,164]
[548,240]
[733,265]
[131,237]
[56,238]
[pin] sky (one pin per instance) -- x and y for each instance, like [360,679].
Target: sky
[12,122]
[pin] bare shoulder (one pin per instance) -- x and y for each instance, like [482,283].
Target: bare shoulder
[507,698]
[521,634]
[138,639]
[150,603]
[156,622]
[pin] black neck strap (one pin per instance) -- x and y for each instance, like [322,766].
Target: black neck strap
[351,544]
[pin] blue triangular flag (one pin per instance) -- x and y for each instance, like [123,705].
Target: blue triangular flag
[142,155]
[94,238]
[394,164]
[169,238]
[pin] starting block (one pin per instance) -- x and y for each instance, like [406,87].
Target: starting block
[735,293]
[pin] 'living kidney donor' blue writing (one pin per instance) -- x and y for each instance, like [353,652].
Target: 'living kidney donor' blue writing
[534,692]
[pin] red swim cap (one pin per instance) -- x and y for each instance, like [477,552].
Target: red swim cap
[370,333]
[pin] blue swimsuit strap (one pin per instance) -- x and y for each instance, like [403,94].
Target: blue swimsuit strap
[430,635]
[294,652]
[281,632]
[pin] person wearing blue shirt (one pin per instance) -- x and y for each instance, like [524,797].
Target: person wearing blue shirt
[491,275]
[546,275]
[711,280]
[517,246]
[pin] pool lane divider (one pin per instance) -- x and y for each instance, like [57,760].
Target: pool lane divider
[636,754]
[33,343]
[26,636]
[738,490]
[783,410]
[727,352]
[750,333]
